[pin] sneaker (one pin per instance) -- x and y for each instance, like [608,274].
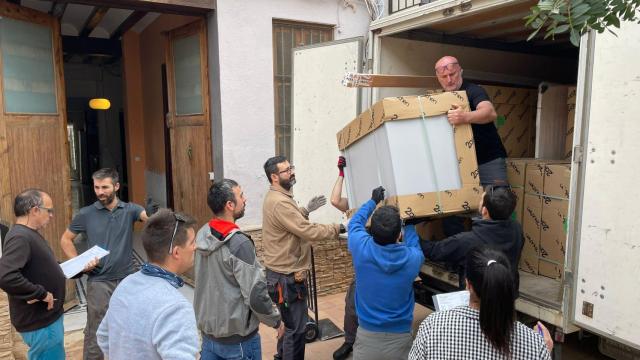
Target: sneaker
[343,351]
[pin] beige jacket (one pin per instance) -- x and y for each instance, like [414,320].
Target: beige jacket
[287,232]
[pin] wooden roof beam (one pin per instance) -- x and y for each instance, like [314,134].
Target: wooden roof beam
[94,19]
[128,23]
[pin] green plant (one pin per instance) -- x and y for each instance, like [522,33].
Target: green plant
[579,16]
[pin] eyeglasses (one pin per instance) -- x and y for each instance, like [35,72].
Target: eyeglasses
[289,170]
[179,219]
[451,67]
[49,210]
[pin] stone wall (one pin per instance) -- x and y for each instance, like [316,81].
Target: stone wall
[334,270]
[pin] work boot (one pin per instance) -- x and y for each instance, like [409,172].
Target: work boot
[343,351]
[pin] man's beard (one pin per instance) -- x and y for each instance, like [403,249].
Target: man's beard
[239,215]
[287,184]
[108,200]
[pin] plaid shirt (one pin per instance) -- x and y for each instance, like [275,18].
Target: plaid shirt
[456,334]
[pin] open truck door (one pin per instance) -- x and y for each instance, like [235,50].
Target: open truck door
[603,265]
[321,106]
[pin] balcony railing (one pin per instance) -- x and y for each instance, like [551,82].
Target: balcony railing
[399,5]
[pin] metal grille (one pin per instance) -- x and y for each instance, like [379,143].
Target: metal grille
[399,5]
[286,36]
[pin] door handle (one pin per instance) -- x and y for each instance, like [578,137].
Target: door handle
[190,152]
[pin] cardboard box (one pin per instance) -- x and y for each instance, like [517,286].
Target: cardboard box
[437,203]
[534,181]
[539,171]
[557,180]
[516,109]
[513,124]
[529,259]
[510,95]
[553,237]
[571,105]
[531,224]
[399,143]
[400,108]
[518,211]
[550,269]
[516,170]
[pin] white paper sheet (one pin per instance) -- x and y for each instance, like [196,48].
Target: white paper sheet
[74,266]
[450,300]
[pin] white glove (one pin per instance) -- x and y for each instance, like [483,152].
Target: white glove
[316,203]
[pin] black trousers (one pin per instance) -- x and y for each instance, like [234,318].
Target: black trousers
[350,316]
[295,317]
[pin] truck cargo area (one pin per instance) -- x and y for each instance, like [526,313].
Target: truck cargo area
[492,49]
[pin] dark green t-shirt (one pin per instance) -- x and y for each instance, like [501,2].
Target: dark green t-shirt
[111,230]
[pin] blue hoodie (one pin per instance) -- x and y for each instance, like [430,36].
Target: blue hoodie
[384,276]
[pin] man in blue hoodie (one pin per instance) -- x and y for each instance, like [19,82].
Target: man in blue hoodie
[385,269]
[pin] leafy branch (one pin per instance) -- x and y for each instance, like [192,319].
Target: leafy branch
[577,17]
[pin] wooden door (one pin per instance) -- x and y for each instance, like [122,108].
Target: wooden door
[33,128]
[188,118]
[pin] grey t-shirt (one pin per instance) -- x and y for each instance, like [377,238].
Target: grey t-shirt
[111,230]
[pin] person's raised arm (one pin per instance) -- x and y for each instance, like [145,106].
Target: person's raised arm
[359,219]
[337,200]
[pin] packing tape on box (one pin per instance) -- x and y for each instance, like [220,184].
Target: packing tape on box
[433,166]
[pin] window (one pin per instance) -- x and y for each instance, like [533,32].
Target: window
[397,5]
[188,82]
[286,36]
[27,59]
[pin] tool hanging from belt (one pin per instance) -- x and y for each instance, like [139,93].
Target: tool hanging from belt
[290,289]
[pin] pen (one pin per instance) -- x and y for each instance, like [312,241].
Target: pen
[540,330]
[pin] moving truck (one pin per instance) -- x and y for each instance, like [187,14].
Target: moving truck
[597,291]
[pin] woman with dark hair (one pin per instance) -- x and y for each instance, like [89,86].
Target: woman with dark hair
[487,328]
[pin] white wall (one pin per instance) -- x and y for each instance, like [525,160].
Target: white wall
[246,80]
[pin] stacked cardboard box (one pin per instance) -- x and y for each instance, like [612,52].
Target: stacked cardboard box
[545,214]
[571,104]
[516,108]
[527,211]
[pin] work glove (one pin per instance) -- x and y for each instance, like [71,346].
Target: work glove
[316,202]
[377,194]
[150,207]
[342,163]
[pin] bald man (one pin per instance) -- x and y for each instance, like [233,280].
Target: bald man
[489,149]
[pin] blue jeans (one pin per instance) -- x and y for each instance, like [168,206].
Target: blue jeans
[246,350]
[46,343]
